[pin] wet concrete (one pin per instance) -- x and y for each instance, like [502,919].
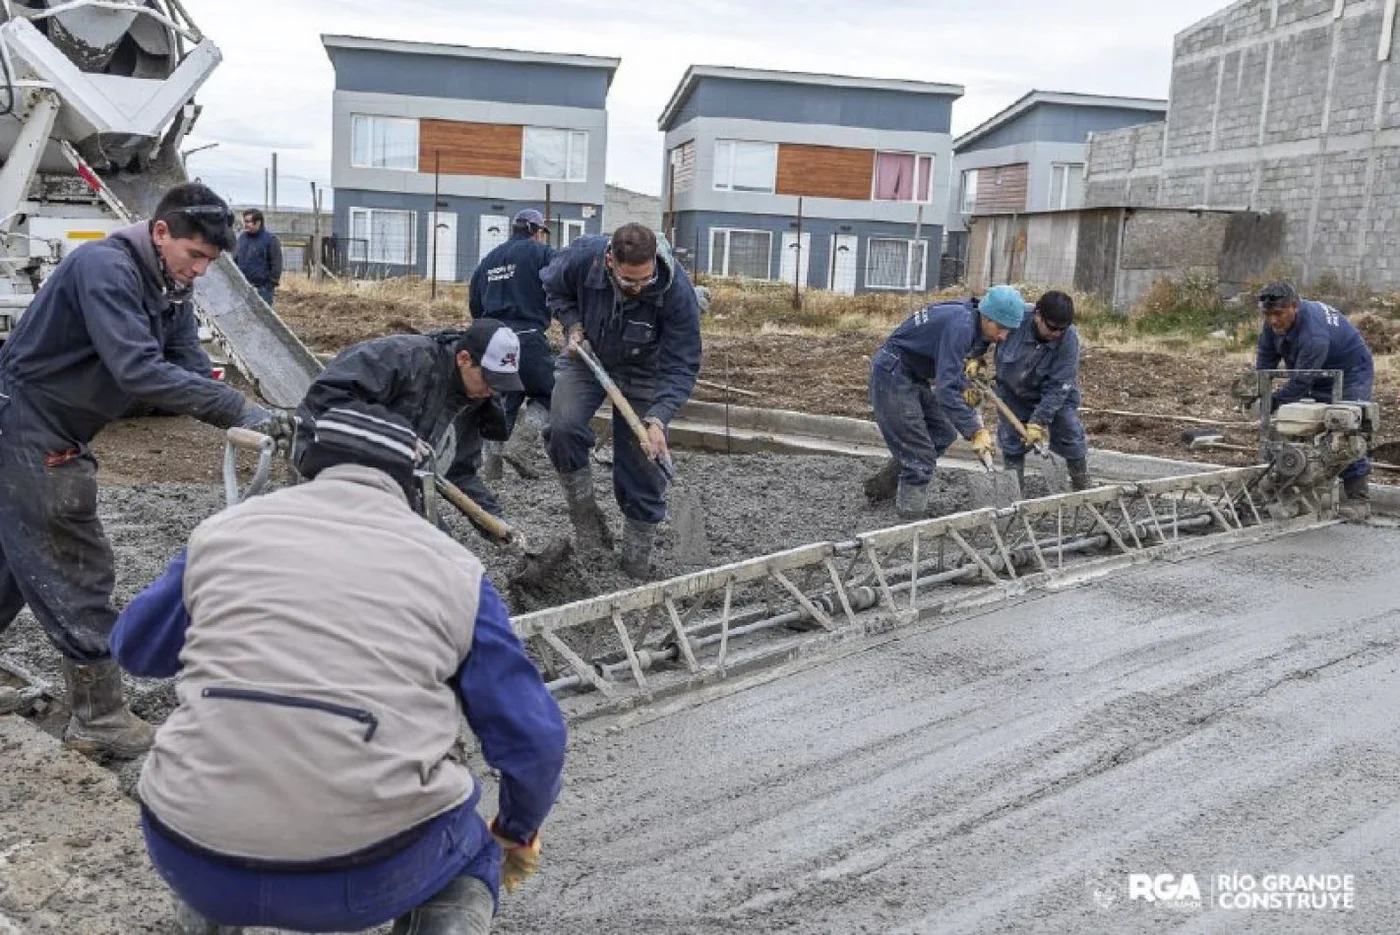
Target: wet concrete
[1225,714]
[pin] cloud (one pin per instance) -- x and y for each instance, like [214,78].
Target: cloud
[273,90]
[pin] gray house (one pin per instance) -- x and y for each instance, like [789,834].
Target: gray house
[838,182]
[1031,156]
[491,131]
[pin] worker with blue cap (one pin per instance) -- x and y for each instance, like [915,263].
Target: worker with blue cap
[917,386]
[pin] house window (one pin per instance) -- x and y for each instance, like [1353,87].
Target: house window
[1066,185]
[968,200]
[741,253]
[903,177]
[555,155]
[895,264]
[380,236]
[742,166]
[383,142]
[563,232]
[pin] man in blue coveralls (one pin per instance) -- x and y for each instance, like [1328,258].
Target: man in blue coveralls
[1037,376]
[917,386]
[1307,335]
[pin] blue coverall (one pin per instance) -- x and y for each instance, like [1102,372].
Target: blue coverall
[1039,381]
[506,286]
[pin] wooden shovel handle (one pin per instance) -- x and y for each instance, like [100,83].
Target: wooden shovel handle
[497,527]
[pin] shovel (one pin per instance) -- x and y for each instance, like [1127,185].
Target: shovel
[688,519]
[1054,470]
[535,564]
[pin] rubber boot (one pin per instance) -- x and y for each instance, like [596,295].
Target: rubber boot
[10,700]
[911,500]
[190,922]
[462,907]
[101,723]
[637,539]
[524,451]
[1017,463]
[881,486]
[1356,498]
[590,528]
[492,463]
[1079,478]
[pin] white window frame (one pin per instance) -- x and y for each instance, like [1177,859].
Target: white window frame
[559,229]
[574,140]
[966,204]
[723,269]
[913,198]
[724,167]
[916,285]
[357,120]
[1064,188]
[367,253]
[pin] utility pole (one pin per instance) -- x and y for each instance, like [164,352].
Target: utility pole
[797,260]
[437,186]
[548,210]
[267,204]
[918,234]
[274,203]
[316,241]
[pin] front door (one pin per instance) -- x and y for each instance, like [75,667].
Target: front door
[843,264]
[442,231]
[495,230]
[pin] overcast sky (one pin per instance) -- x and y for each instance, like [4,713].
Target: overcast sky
[273,90]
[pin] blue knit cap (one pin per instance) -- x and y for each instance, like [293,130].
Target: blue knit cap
[1003,305]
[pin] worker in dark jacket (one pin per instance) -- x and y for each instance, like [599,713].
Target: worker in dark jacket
[1037,376]
[917,386]
[447,385]
[113,325]
[259,255]
[1306,335]
[506,286]
[327,643]
[632,304]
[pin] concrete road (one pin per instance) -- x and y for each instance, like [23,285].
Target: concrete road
[1007,772]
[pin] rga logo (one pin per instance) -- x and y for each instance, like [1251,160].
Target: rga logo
[1166,888]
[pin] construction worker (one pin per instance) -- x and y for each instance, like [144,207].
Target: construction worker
[1037,376]
[259,255]
[112,326]
[308,778]
[627,300]
[506,286]
[1307,335]
[917,386]
[447,385]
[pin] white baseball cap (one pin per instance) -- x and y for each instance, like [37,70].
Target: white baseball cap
[496,349]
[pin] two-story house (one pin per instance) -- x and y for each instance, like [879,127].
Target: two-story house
[1030,156]
[435,147]
[868,159]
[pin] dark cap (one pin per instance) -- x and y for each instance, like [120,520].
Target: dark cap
[528,218]
[496,350]
[365,434]
[1277,295]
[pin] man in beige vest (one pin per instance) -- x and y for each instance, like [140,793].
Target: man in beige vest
[328,641]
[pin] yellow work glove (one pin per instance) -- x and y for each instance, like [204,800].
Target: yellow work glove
[972,396]
[982,443]
[973,368]
[520,861]
[1035,435]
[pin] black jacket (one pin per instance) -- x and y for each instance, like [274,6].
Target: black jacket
[506,285]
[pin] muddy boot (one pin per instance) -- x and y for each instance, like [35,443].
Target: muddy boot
[1356,498]
[189,922]
[492,464]
[881,486]
[102,724]
[524,451]
[590,528]
[1079,478]
[637,539]
[11,700]
[911,500]
[462,907]
[1017,463]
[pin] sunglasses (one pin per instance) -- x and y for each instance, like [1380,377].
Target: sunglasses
[1053,329]
[220,211]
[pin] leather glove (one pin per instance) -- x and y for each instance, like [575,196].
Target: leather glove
[257,418]
[1035,435]
[974,367]
[520,861]
[982,443]
[972,396]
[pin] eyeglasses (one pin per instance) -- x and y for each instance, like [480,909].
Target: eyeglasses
[626,283]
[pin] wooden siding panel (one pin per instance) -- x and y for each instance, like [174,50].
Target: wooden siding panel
[683,166]
[1002,189]
[490,149]
[825,171]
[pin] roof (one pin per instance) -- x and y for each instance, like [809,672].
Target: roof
[404,47]
[694,73]
[1034,98]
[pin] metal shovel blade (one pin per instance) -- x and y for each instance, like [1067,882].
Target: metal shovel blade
[1056,474]
[692,538]
[993,489]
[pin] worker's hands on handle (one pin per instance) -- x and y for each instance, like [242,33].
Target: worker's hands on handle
[1035,436]
[575,339]
[982,443]
[974,367]
[519,861]
[656,448]
[972,396]
[275,423]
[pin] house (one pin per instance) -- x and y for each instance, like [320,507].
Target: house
[1284,107]
[1030,156]
[838,182]
[485,132]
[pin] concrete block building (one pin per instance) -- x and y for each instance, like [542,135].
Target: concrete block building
[1287,107]
[869,159]
[491,131]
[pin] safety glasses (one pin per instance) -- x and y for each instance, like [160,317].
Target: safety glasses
[223,212]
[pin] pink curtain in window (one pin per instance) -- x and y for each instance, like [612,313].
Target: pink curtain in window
[894,177]
[925,176]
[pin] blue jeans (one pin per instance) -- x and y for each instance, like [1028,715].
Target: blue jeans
[54,554]
[352,900]
[536,372]
[911,422]
[1066,431]
[266,292]
[638,484]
